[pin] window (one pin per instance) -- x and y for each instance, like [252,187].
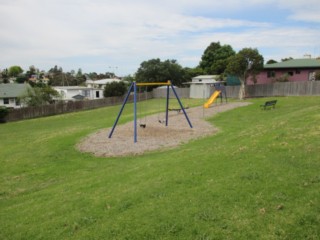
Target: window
[298,71]
[290,73]
[86,93]
[271,74]
[6,101]
[97,94]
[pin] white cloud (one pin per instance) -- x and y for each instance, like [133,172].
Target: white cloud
[92,34]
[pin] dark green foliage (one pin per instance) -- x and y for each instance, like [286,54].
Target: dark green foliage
[3,113]
[155,70]
[38,96]
[4,76]
[60,78]
[21,79]
[14,71]
[128,78]
[215,58]
[115,89]
[246,63]
[193,72]
[317,76]
[286,59]
[271,61]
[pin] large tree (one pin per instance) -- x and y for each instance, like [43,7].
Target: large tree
[155,70]
[215,58]
[246,63]
[14,71]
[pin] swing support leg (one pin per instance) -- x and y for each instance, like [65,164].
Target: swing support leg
[122,107]
[167,106]
[181,106]
[135,112]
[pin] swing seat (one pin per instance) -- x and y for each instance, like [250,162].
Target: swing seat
[178,110]
[143,125]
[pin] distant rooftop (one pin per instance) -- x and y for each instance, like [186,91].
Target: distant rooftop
[201,79]
[295,63]
[104,81]
[12,90]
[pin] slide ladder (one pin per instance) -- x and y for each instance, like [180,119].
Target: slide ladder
[211,99]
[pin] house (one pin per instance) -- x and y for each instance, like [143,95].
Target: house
[200,87]
[73,93]
[35,78]
[100,84]
[10,94]
[293,70]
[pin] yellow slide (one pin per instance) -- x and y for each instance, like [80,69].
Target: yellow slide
[211,99]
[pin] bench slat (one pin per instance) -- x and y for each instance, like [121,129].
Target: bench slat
[269,104]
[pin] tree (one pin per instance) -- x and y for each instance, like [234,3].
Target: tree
[247,62]
[115,89]
[286,59]
[80,78]
[154,70]
[21,78]
[3,113]
[215,58]
[14,71]
[271,61]
[193,72]
[4,76]
[128,78]
[38,96]
[32,71]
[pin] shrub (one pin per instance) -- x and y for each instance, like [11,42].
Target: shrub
[115,89]
[3,113]
[317,76]
[283,78]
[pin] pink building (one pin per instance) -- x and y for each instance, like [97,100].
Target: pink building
[288,71]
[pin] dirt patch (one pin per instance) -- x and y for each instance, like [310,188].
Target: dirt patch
[155,135]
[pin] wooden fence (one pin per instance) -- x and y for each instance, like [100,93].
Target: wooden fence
[310,88]
[67,107]
[162,92]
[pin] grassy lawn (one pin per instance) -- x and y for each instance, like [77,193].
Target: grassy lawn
[258,178]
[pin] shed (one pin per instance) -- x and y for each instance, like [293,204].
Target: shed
[200,87]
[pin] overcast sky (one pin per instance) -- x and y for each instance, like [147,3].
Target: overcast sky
[103,35]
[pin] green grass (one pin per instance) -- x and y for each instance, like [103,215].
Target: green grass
[258,178]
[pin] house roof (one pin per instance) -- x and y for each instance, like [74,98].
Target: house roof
[12,90]
[104,81]
[295,63]
[205,79]
[71,88]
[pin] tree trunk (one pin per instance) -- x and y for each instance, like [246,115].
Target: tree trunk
[242,90]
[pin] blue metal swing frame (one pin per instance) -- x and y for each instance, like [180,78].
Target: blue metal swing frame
[133,87]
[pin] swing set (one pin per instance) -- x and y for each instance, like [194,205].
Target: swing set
[133,87]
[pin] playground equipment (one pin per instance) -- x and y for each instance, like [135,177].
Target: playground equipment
[211,99]
[219,91]
[133,87]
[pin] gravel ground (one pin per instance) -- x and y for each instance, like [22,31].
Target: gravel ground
[155,136]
